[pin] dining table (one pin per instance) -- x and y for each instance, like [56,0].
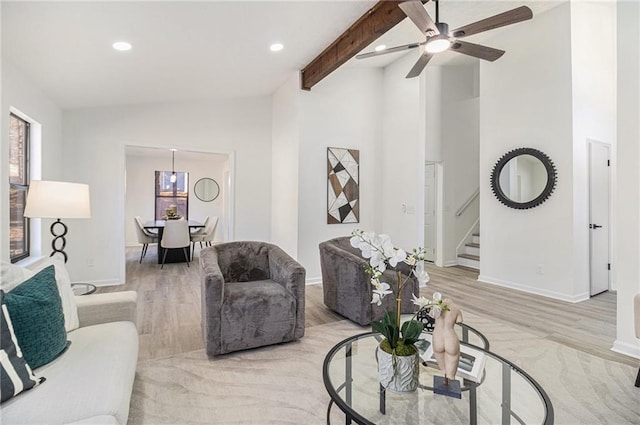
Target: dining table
[174,255]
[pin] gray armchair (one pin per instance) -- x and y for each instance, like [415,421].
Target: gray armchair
[347,286]
[252,295]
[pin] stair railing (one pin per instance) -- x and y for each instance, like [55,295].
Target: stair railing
[468,202]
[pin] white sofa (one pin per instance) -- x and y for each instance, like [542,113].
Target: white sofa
[91,382]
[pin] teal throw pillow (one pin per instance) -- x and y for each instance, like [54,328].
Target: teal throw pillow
[15,374]
[35,309]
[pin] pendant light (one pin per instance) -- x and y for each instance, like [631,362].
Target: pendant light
[173,177]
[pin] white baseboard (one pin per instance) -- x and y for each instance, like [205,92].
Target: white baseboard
[533,290]
[313,280]
[631,350]
[450,263]
[104,282]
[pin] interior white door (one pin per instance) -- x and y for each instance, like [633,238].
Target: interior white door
[599,227]
[430,211]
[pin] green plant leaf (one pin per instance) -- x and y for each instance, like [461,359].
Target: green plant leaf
[379,327]
[395,335]
[411,331]
[389,318]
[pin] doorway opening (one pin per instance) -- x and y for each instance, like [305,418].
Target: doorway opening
[141,166]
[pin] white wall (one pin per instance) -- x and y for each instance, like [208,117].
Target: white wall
[626,262]
[285,165]
[342,111]
[594,112]
[400,193]
[20,93]
[526,101]
[566,95]
[94,153]
[431,87]
[140,185]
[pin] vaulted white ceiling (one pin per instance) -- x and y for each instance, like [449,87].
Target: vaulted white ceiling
[184,51]
[181,50]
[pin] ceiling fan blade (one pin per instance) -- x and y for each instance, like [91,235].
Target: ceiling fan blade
[417,13]
[509,17]
[422,62]
[389,50]
[476,50]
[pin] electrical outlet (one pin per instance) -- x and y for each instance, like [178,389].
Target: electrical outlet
[91,262]
[540,269]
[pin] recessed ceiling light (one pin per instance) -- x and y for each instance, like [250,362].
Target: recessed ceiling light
[276,47]
[380,48]
[122,46]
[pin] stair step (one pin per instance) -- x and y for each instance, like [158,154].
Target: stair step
[476,234]
[469,260]
[471,249]
[470,256]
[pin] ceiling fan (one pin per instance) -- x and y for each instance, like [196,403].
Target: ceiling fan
[439,38]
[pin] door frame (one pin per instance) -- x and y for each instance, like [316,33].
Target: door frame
[436,219]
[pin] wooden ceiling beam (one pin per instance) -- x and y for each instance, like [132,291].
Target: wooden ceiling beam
[383,16]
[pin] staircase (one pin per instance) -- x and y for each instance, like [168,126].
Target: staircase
[471,255]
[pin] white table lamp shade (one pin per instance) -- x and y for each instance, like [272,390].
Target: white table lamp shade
[51,199]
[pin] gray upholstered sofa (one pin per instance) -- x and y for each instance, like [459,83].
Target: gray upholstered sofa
[347,286]
[91,382]
[252,295]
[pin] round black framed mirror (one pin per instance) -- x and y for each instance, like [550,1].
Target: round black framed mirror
[206,189]
[523,178]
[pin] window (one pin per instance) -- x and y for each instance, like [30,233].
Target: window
[168,193]
[19,132]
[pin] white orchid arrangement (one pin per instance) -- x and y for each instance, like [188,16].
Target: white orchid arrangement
[378,248]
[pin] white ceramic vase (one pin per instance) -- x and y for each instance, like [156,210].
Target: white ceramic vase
[399,375]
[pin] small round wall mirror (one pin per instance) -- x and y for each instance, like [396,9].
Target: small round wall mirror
[523,178]
[206,189]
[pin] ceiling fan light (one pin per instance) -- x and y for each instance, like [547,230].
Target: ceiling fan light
[437,44]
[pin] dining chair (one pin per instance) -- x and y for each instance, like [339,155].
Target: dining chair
[175,236]
[144,237]
[207,236]
[201,231]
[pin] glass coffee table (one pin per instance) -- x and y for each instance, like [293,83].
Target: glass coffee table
[503,393]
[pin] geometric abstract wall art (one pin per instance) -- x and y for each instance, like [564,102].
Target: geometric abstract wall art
[343,187]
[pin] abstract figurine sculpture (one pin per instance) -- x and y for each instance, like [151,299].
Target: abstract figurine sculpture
[446,350]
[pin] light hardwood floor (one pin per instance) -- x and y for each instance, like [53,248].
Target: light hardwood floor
[169,308]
